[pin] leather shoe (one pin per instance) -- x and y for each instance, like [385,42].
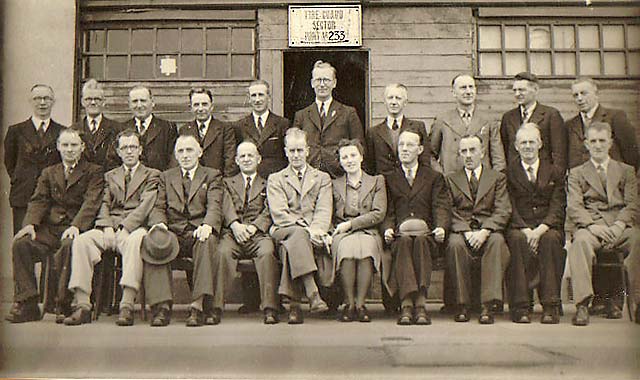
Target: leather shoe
[348,313]
[363,314]
[79,316]
[550,315]
[422,317]
[62,312]
[521,315]
[24,312]
[582,316]
[196,318]
[125,317]
[486,315]
[614,312]
[295,316]
[317,304]
[162,317]
[462,315]
[270,317]
[598,309]
[406,316]
[248,309]
[213,317]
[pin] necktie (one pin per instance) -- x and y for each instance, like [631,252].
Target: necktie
[93,126]
[410,177]
[525,115]
[300,176]
[603,176]
[247,191]
[41,130]
[127,178]
[395,126]
[201,130]
[466,117]
[322,113]
[186,184]
[473,184]
[142,128]
[531,174]
[67,172]
[260,126]
[586,122]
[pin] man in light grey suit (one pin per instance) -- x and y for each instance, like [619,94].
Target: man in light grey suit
[301,202]
[603,203]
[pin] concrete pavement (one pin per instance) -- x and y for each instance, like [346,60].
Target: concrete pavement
[242,348]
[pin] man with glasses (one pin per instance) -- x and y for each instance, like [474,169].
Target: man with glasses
[157,136]
[327,121]
[98,132]
[29,147]
[216,137]
[130,192]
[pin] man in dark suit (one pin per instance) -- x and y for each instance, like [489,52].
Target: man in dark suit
[246,233]
[382,140]
[416,194]
[157,136]
[327,121]
[29,147]
[217,138]
[481,211]
[535,235]
[548,120]
[264,128]
[189,205]
[64,204]
[130,191]
[98,132]
[624,148]
[603,202]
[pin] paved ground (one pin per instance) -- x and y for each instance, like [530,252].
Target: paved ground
[242,348]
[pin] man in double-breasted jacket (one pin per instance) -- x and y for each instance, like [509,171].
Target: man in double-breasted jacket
[130,191]
[481,211]
[189,205]
[415,193]
[327,121]
[98,132]
[217,138]
[64,204]
[602,201]
[301,204]
[29,147]
[529,110]
[466,119]
[246,230]
[535,234]
[382,139]
[157,136]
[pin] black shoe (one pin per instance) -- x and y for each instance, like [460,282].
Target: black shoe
[598,309]
[462,315]
[196,318]
[295,316]
[521,315]
[582,316]
[161,317]
[213,317]
[486,315]
[422,317]
[79,316]
[125,317]
[550,315]
[363,314]
[448,309]
[406,316]
[248,309]
[349,313]
[24,312]
[613,311]
[270,317]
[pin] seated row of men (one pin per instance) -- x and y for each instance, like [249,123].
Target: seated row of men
[191,210]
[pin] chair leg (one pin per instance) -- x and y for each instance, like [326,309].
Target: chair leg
[626,296]
[46,267]
[143,302]
[99,291]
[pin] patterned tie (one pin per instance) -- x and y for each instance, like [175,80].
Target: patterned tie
[395,126]
[531,174]
[186,184]
[127,178]
[142,128]
[93,127]
[41,130]
[260,126]
[247,191]
[603,176]
[67,172]
[201,130]
[300,176]
[525,116]
[410,176]
[473,184]
[322,114]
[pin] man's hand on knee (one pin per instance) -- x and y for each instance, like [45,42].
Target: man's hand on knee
[29,229]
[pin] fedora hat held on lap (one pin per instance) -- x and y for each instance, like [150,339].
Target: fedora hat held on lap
[414,227]
[159,246]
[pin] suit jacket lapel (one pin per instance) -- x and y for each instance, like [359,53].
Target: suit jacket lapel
[309,180]
[250,127]
[75,175]
[256,187]
[58,176]
[196,182]
[176,184]
[522,177]
[593,178]
[418,182]
[212,134]
[138,177]
[538,115]
[101,133]
[314,115]
[268,130]
[292,179]
[459,178]
[484,184]
[367,184]
[477,124]
[29,133]
[614,176]
[454,121]
[153,130]
[383,131]
[544,174]
[118,177]
[332,113]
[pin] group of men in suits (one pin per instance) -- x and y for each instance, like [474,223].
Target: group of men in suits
[492,194]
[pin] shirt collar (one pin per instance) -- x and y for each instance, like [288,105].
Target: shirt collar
[98,119]
[37,121]
[529,109]
[414,169]
[147,121]
[263,117]
[69,167]
[535,165]
[192,171]
[303,170]
[477,170]
[133,169]
[461,112]
[252,177]
[591,112]
[390,120]
[327,105]
[605,163]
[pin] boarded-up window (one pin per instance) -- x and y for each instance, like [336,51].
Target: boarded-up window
[558,48]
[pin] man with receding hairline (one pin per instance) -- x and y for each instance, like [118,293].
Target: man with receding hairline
[29,147]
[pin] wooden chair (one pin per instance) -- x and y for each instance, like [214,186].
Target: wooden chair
[613,259]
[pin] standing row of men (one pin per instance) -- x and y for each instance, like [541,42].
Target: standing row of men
[324,123]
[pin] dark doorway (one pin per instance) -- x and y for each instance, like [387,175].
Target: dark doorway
[353,78]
